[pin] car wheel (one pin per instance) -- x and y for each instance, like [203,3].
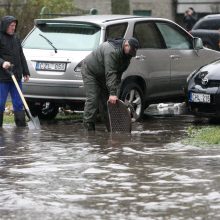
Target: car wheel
[132,94]
[45,111]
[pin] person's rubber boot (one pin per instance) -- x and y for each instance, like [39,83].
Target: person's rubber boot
[1,118]
[89,126]
[20,119]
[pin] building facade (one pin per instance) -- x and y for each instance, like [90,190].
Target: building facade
[200,6]
[171,9]
[103,6]
[156,8]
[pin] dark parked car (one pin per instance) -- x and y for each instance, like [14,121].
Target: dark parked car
[203,90]
[207,28]
[55,49]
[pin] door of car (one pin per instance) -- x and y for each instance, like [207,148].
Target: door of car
[152,60]
[183,58]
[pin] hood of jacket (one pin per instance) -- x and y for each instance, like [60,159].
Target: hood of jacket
[116,43]
[6,21]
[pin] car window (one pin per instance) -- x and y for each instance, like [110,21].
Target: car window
[116,31]
[148,35]
[210,24]
[174,38]
[77,37]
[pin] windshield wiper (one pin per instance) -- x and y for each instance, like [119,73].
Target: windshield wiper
[55,49]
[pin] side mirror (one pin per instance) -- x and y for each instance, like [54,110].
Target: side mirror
[197,43]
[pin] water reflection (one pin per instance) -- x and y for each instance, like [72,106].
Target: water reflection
[61,172]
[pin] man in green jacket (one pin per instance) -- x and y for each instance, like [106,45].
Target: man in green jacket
[101,72]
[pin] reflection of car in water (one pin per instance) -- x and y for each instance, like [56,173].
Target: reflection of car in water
[55,49]
[203,90]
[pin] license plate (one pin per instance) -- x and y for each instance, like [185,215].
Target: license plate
[51,66]
[200,97]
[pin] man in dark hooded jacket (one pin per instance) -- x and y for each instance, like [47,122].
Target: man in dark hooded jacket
[190,18]
[11,56]
[101,72]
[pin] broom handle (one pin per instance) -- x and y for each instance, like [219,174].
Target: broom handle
[20,93]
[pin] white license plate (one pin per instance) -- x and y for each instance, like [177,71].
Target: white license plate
[200,97]
[50,66]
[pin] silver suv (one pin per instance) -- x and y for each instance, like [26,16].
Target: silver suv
[55,49]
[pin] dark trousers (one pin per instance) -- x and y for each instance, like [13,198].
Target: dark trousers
[96,97]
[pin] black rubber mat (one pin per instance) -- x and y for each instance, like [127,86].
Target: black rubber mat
[119,117]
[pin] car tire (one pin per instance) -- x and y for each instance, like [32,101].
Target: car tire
[134,95]
[45,111]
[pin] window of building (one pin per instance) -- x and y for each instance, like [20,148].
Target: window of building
[142,12]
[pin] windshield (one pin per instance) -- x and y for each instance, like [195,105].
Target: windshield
[64,36]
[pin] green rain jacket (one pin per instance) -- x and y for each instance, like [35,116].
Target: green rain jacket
[107,63]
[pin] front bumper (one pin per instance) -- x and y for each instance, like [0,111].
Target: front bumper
[211,109]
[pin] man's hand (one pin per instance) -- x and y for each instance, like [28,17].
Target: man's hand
[6,65]
[113,99]
[26,78]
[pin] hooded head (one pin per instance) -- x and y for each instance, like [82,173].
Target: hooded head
[6,21]
[131,46]
[134,44]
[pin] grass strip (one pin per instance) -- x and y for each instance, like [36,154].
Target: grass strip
[62,116]
[200,136]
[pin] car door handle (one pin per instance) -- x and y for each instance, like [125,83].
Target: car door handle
[141,57]
[175,57]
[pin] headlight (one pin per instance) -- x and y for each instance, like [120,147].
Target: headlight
[202,74]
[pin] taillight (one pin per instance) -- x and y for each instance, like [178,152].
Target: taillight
[78,67]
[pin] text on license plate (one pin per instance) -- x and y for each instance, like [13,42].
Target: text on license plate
[200,97]
[50,66]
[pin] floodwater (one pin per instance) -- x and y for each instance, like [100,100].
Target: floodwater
[61,172]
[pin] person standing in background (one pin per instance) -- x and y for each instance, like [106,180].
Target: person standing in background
[11,57]
[190,18]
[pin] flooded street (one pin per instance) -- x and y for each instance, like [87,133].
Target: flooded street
[60,172]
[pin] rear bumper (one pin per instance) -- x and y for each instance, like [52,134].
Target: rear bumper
[49,91]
